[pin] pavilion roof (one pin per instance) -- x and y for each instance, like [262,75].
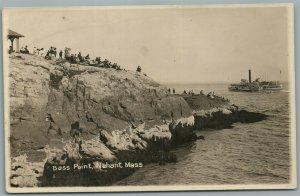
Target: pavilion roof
[14,34]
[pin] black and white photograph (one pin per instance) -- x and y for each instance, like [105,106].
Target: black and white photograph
[149,98]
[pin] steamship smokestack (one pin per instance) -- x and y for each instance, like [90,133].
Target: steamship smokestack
[249,75]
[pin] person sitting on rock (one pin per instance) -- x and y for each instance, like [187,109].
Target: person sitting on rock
[114,66]
[37,51]
[105,62]
[51,50]
[139,69]
[72,59]
[47,57]
[11,50]
[76,59]
[87,59]
[26,51]
[98,60]
[92,62]
[210,95]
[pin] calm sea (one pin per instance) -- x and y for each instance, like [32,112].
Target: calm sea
[245,154]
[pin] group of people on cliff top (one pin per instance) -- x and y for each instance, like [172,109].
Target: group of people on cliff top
[52,53]
[80,58]
[210,95]
[24,50]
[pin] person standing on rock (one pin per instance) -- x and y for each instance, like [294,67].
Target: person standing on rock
[60,54]
[173,91]
[87,59]
[55,52]
[80,57]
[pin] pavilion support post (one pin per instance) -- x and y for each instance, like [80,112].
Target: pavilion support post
[12,44]
[17,45]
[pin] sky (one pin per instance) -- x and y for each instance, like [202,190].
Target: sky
[171,44]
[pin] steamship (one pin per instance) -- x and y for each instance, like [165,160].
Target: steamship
[254,86]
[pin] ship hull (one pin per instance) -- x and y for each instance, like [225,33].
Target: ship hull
[242,90]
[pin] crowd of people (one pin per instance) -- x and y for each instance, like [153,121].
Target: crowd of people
[66,55]
[210,95]
[53,53]
[80,58]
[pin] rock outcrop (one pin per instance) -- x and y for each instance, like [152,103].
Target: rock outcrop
[218,113]
[64,115]
[116,110]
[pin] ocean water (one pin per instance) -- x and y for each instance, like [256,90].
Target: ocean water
[252,153]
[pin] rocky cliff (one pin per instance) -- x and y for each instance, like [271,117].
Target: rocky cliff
[64,114]
[115,110]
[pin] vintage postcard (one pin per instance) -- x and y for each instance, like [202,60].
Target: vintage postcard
[149,98]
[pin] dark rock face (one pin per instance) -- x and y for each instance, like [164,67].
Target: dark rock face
[218,120]
[218,113]
[182,133]
[244,116]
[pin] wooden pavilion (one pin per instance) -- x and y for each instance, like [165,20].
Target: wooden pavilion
[12,35]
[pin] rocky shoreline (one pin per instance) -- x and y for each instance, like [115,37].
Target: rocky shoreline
[125,120]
